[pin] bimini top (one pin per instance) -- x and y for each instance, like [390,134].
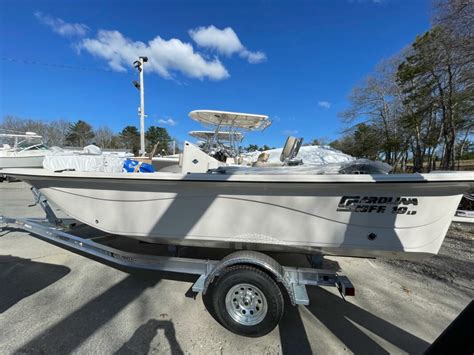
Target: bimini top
[26,135]
[221,136]
[235,120]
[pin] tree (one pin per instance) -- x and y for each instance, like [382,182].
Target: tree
[419,116]
[158,135]
[435,81]
[130,138]
[252,148]
[56,132]
[345,144]
[367,142]
[79,134]
[421,100]
[455,18]
[53,132]
[375,102]
[104,137]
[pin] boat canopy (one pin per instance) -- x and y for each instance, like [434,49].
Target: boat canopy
[26,135]
[235,120]
[221,135]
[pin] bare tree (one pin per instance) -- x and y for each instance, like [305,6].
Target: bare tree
[376,102]
[455,19]
[104,137]
[56,132]
[53,132]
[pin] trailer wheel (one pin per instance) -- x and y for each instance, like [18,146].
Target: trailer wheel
[247,301]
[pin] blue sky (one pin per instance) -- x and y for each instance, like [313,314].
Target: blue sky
[294,61]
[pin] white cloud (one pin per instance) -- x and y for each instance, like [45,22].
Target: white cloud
[290,132]
[164,56]
[224,42]
[253,57]
[61,27]
[324,104]
[168,122]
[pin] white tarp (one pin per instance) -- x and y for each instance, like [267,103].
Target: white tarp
[90,159]
[316,160]
[311,155]
[359,166]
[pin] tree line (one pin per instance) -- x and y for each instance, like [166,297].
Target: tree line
[255,147]
[80,133]
[418,106]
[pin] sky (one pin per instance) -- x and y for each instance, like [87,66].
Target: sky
[294,61]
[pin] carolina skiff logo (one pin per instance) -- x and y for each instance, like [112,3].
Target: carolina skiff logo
[374,204]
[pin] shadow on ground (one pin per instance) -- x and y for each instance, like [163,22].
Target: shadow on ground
[20,278]
[345,321]
[140,342]
[354,326]
[69,333]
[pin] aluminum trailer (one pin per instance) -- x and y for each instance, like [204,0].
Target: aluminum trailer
[243,289]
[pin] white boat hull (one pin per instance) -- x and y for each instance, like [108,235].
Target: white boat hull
[358,216]
[21,161]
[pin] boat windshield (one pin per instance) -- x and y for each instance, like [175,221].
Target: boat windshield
[31,145]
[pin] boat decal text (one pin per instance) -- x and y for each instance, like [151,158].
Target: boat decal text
[378,204]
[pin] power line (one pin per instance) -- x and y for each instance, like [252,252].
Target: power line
[59,66]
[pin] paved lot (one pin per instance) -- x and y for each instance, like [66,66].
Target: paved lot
[54,301]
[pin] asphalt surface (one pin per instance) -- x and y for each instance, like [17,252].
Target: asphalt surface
[53,301]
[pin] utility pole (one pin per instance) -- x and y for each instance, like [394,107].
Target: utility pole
[139,64]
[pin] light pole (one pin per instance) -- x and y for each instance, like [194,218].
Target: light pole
[139,64]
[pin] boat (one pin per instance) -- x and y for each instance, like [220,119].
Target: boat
[212,142]
[28,151]
[221,142]
[233,121]
[382,215]
[219,145]
[227,131]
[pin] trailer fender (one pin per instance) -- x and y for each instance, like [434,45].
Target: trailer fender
[250,257]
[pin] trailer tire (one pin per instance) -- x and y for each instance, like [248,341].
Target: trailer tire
[247,301]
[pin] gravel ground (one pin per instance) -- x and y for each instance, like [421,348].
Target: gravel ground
[53,301]
[453,266]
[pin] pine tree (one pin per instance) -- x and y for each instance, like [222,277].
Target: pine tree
[130,138]
[158,135]
[79,134]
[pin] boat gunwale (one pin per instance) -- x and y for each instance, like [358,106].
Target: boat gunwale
[31,174]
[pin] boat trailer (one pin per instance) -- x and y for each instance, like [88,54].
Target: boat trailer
[261,269]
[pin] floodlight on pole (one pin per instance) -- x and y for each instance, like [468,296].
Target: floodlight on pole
[140,67]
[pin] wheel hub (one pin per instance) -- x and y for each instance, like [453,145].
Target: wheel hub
[246,304]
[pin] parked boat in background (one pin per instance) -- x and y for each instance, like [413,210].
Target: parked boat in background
[27,151]
[220,142]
